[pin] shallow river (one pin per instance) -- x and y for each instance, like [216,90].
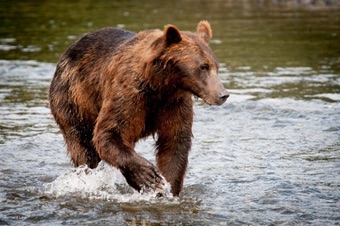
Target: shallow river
[269,156]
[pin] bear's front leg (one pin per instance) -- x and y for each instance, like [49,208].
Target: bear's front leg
[115,143]
[142,175]
[172,160]
[174,142]
[139,173]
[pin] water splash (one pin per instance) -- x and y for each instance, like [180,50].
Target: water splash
[102,183]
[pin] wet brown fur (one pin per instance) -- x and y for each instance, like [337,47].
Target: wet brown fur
[114,87]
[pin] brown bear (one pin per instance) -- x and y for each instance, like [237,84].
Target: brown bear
[113,87]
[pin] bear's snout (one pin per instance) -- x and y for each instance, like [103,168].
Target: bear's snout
[223,97]
[216,99]
[213,91]
[219,99]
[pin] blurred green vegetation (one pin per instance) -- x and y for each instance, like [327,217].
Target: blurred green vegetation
[257,34]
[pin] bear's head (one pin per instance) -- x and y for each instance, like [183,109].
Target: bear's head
[185,62]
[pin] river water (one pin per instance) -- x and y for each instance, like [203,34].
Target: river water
[269,156]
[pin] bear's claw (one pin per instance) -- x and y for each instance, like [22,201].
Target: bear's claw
[143,176]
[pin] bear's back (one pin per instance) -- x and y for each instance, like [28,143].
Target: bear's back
[98,43]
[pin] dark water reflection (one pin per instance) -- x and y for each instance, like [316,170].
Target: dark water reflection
[269,156]
[259,34]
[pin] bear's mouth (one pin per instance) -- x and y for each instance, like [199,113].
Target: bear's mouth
[214,100]
[201,96]
[197,96]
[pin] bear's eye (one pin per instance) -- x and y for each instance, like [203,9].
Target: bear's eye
[204,67]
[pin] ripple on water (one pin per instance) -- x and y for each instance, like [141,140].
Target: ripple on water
[255,160]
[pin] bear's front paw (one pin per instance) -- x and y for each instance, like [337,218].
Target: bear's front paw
[143,176]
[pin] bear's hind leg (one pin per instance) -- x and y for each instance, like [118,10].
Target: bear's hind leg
[82,156]
[81,149]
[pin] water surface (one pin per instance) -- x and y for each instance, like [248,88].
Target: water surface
[269,156]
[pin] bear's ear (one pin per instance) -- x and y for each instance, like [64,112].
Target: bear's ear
[204,30]
[172,35]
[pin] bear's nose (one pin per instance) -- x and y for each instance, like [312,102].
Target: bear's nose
[224,96]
